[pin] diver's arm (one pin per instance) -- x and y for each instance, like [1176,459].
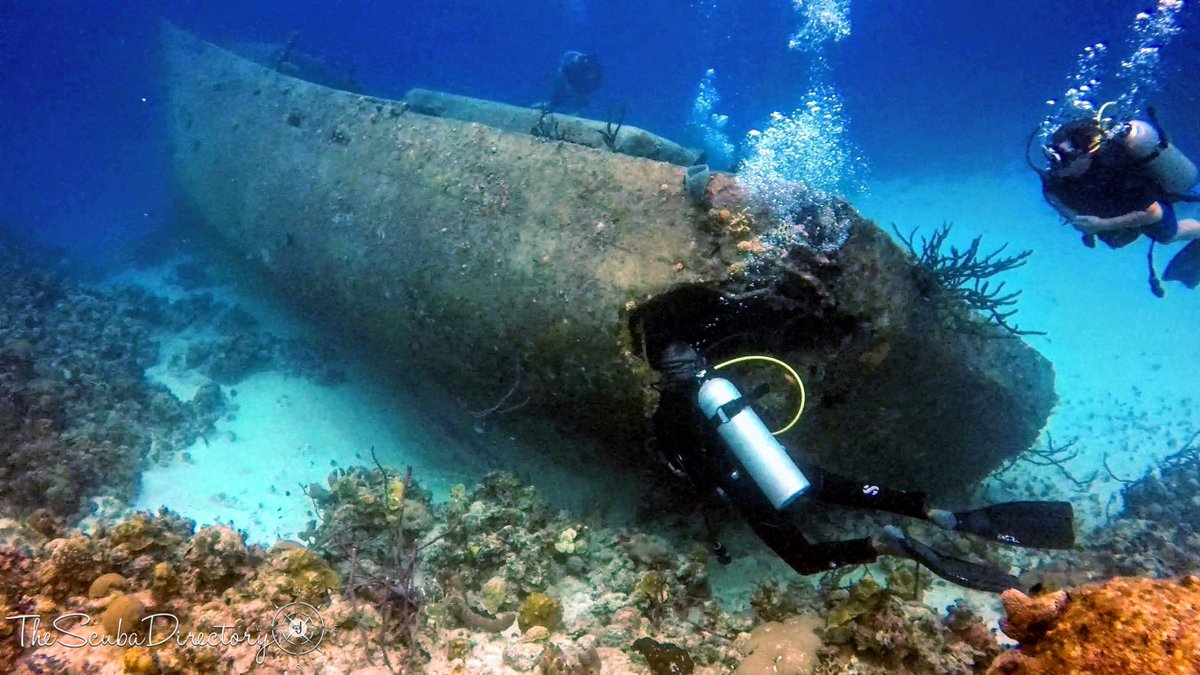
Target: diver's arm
[1141,218]
[1065,211]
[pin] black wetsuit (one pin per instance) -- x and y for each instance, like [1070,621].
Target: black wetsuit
[1115,184]
[691,445]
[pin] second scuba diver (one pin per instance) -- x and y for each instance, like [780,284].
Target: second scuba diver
[1116,182]
[708,433]
[578,75]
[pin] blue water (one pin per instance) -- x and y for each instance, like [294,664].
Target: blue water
[940,86]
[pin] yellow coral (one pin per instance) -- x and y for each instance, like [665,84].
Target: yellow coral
[139,661]
[395,496]
[652,586]
[567,541]
[789,648]
[123,615]
[458,648]
[539,609]
[754,245]
[164,582]
[135,533]
[105,584]
[536,634]
[298,574]
[493,594]
[1026,618]
[736,222]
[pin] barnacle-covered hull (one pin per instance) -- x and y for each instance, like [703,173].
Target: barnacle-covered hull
[486,259]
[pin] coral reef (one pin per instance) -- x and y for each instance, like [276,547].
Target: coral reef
[1027,619]
[124,614]
[106,584]
[490,580]
[79,418]
[958,283]
[539,609]
[401,582]
[1167,500]
[788,648]
[1167,495]
[869,628]
[404,584]
[1124,625]
[1154,536]
[231,358]
[77,415]
[664,658]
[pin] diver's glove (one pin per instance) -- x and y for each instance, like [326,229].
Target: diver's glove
[978,576]
[1028,524]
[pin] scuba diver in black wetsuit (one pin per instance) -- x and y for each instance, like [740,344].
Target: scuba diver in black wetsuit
[1118,181]
[578,75]
[707,432]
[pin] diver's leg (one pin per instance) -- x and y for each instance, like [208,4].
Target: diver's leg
[1189,229]
[806,557]
[1030,524]
[979,576]
[775,530]
[711,530]
[813,558]
[1179,223]
[834,489]
[1185,264]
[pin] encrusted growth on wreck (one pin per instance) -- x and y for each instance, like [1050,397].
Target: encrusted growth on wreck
[464,253]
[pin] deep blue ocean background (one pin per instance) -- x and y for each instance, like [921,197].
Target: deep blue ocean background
[931,86]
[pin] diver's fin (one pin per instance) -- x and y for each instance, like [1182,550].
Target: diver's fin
[965,573]
[1185,266]
[1030,524]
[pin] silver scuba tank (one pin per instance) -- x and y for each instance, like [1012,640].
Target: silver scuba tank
[765,459]
[1174,171]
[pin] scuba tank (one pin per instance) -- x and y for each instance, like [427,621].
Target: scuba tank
[743,431]
[1176,173]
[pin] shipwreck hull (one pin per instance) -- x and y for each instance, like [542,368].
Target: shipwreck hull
[486,258]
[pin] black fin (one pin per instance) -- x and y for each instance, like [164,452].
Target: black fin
[1185,266]
[1029,524]
[965,573]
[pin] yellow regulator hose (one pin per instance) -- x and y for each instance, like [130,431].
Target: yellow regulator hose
[791,371]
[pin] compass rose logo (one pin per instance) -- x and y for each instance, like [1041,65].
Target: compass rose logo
[298,628]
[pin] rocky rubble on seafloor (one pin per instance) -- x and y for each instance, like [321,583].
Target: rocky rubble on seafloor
[490,581]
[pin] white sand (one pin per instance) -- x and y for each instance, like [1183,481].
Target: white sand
[288,432]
